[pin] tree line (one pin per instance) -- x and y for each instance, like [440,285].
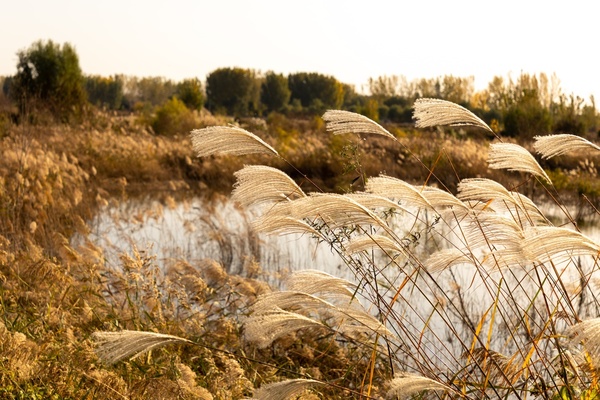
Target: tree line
[49,78]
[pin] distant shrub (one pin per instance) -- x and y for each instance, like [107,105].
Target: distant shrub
[397,113]
[173,118]
[191,93]
[527,117]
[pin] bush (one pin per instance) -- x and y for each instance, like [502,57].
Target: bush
[397,113]
[527,118]
[191,93]
[173,118]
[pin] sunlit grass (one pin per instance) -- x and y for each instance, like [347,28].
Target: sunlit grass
[478,295]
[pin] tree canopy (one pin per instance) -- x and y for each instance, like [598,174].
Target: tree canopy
[49,76]
[233,91]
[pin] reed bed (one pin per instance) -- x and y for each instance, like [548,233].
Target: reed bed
[478,296]
[459,285]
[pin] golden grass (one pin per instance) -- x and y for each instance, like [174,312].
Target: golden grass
[54,296]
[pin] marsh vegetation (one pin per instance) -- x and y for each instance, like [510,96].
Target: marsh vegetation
[450,260]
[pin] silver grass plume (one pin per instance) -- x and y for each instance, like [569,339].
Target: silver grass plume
[405,385]
[492,229]
[489,239]
[447,258]
[285,389]
[482,189]
[274,222]
[300,301]
[586,332]
[116,346]
[336,210]
[279,313]
[333,209]
[313,281]
[441,199]
[264,328]
[228,140]
[492,260]
[434,112]
[488,191]
[258,184]
[397,189]
[380,242]
[555,145]
[339,122]
[512,157]
[550,243]
[374,202]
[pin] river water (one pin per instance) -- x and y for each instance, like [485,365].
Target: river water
[198,229]
[217,229]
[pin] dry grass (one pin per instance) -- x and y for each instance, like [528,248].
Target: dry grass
[500,335]
[420,256]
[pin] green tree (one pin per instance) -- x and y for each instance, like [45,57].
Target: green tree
[399,109]
[385,86]
[527,117]
[572,115]
[274,92]
[350,96]
[48,76]
[316,91]
[233,91]
[154,90]
[457,89]
[105,91]
[190,91]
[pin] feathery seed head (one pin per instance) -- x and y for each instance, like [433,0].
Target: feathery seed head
[405,385]
[398,189]
[513,157]
[587,333]
[285,390]
[257,184]
[116,346]
[339,122]
[365,243]
[434,112]
[228,140]
[333,209]
[313,282]
[555,145]
[550,243]
[264,328]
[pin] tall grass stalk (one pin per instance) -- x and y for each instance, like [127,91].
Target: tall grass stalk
[474,294]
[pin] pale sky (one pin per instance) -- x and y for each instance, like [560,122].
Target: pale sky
[351,40]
